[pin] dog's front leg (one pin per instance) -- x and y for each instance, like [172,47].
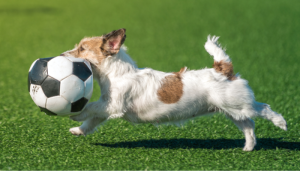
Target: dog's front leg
[87,127]
[92,109]
[92,115]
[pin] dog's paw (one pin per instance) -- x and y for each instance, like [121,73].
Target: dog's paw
[282,125]
[280,122]
[76,131]
[248,148]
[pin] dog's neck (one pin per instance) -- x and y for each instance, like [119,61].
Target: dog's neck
[113,67]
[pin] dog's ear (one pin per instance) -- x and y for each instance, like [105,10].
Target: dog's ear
[113,41]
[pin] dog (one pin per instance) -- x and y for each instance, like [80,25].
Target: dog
[150,96]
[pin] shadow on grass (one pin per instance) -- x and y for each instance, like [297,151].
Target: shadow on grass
[262,143]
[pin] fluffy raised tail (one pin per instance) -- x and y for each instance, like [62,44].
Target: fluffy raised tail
[222,62]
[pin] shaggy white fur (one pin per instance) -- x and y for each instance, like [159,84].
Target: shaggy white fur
[131,93]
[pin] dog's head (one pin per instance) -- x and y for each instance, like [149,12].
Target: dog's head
[96,49]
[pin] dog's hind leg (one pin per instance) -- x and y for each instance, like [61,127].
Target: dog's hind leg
[247,126]
[263,110]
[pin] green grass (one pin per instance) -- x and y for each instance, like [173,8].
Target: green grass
[262,38]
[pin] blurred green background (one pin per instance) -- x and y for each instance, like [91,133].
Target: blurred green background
[262,38]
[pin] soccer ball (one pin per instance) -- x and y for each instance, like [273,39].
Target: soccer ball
[60,85]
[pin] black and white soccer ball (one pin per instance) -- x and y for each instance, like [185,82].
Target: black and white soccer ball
[60,85]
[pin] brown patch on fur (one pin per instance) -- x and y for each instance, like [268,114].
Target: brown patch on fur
[172,88]
[225,68]
[89,48]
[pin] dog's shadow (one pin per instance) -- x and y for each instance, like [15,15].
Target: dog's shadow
[262,143]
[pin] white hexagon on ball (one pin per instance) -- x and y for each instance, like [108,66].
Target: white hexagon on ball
[88,87]
[72,88]
[58,105]
[88,64]
[75,59]
[60,67]
[38,96]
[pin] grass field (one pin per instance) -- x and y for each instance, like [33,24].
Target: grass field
[262,38]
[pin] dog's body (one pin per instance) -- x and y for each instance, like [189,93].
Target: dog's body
[150,96]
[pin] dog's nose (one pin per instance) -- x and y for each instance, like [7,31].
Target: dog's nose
[62,54]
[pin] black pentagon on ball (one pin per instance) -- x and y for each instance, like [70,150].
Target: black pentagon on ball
[51,87]
[79,105]
[48,112]
[38,72]
[81,70]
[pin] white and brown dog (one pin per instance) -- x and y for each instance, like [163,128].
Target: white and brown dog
[150,96]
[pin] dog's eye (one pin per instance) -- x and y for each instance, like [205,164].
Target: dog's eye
[81,48]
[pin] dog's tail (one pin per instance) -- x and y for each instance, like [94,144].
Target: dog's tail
[222,62]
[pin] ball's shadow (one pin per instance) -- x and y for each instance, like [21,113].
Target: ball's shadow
[262,143]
